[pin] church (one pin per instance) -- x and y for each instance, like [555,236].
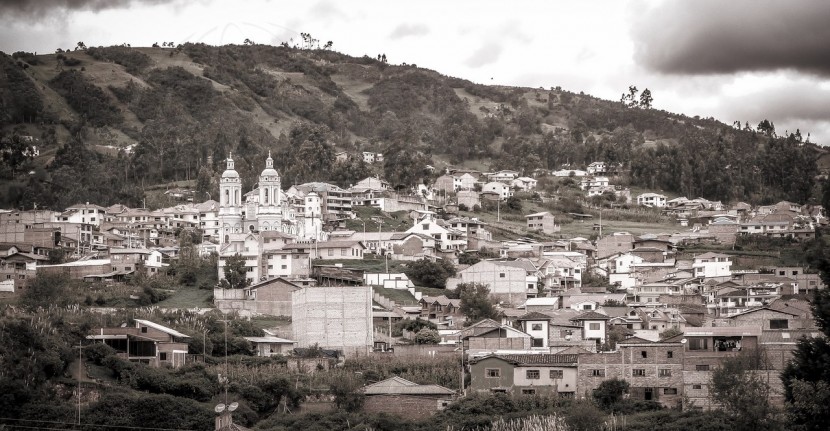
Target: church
[266,207]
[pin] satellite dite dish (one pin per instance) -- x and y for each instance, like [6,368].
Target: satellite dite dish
[219,408]
[683,341]
[233,407]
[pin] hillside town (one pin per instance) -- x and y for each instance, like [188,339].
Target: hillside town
[571,312]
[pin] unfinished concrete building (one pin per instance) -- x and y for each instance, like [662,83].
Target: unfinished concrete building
[336,318]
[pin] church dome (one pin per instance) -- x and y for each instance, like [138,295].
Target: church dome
[269,170]
[230,172]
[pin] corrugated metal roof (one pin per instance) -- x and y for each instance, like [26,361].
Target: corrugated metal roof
[399,386]
[162,328]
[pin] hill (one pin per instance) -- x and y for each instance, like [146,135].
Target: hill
[112,123]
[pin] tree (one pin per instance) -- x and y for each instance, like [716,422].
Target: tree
[514,203]
[427,336]
[430,274]
[738,387]
[235,273]
[630,99]
[646,99]
[347,393]
[476,303]
[671,332]
[610,392]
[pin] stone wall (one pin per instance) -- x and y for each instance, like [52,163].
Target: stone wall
[405,406]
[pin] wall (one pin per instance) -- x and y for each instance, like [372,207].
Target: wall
[338,318]
[408,407]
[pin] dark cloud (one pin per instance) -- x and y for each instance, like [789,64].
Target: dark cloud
[716,37]
[406,30]
[35,10]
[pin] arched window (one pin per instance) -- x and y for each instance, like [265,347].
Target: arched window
[227,197]
[266,196]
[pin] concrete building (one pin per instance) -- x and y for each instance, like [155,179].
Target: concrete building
[712,265]
[542,222]
[147,342]
[337,318]
[270,297]
[651,200]
[509,281]
[405,399]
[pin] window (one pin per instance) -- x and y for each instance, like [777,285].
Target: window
[143,329]
[597,373]
[538,342]
[343,252]
[162,356]
[532,374]
[501,275]
[669,391]
[528,391]
[556,374]
[664,372]
[697,386]
[593,326]
[669,354]
[778,324]
[536,327]
[644,354]
[331,252]
[425,226]
[492,372]
[702,367]
[284,266]
[283,257]
[698,344]
[638,372]
[586,307]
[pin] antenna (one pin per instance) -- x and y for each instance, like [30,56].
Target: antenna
[219,408]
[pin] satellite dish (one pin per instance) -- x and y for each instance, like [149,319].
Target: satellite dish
[683,341]
[233,406]
[219,408]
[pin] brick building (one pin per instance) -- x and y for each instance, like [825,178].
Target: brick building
[405,399]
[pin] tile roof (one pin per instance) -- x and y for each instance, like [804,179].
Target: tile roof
[591,315]
[534,315]
[400,386]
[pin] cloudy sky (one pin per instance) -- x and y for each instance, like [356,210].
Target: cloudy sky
[733,60]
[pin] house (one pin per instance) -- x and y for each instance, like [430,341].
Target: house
[341,156]
[594,326]
[83,214]
[509,281]
[807,283]
[468,198]
[370,157]
[468,181]
[525,374]
[597,168]
[654,370]
[769,319]
[402,398]
[501,189]
[543,222]
[488,336]
[447,239]
[270,346]
[130,259]
[651,200]
[618,242]
[589,183]
[447,183]
[330,250]
[712,265]
[147,342]
[504,176]
[441,310]
[412,246]
[271,297]
[524,183]
[537,325]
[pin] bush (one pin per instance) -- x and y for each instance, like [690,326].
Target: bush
[427,336]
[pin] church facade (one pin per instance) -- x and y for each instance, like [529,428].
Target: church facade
[266,207]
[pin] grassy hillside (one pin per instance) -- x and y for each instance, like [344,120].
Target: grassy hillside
[137,117]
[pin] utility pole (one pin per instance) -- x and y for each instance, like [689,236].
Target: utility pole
[80,373]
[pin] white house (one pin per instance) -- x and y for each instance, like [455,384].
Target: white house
[446,238]
[594,325]
[588,183]
[502,189]
[524,183]
[651,200]
[597,168]
[510,281]
[710,265]
[503,176]
[569,173]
